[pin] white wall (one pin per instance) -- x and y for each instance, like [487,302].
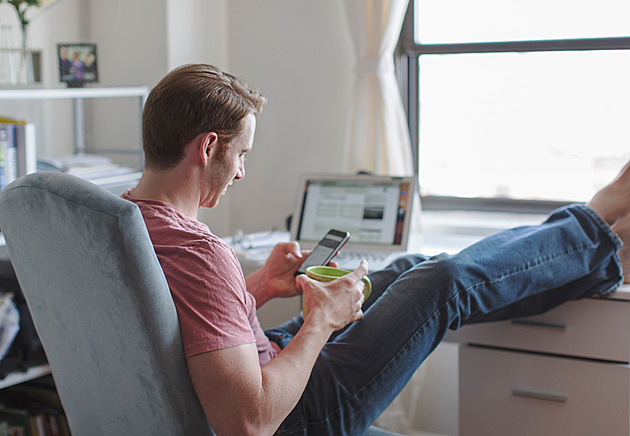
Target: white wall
[197,32]
[298,53]
[131,41]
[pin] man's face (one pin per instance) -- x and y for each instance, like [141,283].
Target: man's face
[222,171]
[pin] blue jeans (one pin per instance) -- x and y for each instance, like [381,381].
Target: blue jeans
[514,273]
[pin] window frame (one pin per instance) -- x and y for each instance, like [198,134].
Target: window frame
[408,53]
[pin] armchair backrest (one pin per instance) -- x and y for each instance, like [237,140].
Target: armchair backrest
[101,306]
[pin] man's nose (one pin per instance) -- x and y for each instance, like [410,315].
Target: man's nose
[241,172]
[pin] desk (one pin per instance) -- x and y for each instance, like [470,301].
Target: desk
[564,372]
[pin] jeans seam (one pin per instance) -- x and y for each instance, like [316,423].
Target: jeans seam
[603,225]
[540,263]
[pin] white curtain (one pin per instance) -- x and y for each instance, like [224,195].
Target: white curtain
[377,136]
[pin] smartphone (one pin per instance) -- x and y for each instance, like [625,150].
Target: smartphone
[325,249]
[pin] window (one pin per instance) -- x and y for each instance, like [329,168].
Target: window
[519,103]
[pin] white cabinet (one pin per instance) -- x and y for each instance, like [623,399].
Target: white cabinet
[511,393]
[562,373]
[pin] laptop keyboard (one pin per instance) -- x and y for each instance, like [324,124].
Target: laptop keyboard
[350,259]
[369,255]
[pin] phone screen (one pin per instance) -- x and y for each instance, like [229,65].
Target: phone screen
[325,250]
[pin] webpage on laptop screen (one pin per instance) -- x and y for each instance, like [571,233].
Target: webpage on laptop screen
[373,214]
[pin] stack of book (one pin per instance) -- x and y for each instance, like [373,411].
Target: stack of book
[18,157]
[18,154]
[98,169]
[32,409]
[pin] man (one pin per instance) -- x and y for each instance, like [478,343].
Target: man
[335,371]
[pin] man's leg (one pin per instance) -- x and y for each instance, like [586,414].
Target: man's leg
[364,368]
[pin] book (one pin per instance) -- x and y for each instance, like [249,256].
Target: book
[87,166]
[118,183]
[36,407]
[23,154]
[19,418]
[72,162]
[98,169]
[8,155]
[26,144]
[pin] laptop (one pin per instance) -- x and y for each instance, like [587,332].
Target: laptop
[375,210]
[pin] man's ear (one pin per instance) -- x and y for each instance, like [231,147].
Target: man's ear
[208,142]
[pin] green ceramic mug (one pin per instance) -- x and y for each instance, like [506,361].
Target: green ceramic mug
[328,274]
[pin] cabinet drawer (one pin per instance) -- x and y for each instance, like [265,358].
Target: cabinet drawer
[511,393]
[594,328]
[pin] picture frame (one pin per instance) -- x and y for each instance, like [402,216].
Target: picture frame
[77,64]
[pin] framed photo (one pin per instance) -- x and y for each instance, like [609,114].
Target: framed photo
[77,64]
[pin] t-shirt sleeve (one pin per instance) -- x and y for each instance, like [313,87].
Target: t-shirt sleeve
[210,295]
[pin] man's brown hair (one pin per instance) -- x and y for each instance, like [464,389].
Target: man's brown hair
[191,100]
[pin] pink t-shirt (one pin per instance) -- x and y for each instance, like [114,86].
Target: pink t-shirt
[215,309]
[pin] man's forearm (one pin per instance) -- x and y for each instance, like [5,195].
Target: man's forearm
[256,286]
[285,377]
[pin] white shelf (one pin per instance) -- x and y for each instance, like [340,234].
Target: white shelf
[32,373]
[78,95]
[72,93]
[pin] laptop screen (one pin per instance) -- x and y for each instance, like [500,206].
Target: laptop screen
[375,210]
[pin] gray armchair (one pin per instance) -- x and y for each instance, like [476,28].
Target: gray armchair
[102,308]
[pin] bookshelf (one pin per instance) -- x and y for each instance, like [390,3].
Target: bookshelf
[78,97]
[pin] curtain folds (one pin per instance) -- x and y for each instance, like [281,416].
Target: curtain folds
[377,135]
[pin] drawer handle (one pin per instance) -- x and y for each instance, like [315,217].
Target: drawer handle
[558,398]
[539,325]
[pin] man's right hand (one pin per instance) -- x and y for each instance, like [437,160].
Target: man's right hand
[337,303]
[241,398]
